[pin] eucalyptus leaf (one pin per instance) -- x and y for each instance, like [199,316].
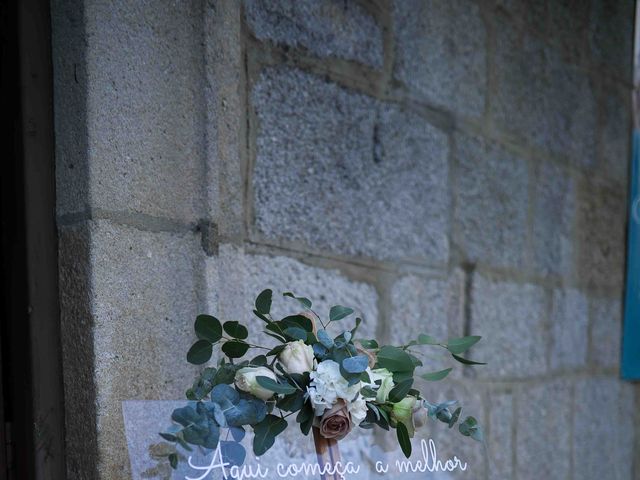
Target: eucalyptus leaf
[200,352]
[435,376]
[305,302]
[263,302]
[266,432]
[338,312]
[427,340]
[270,384]
[236,330]
[235,348]
[403,439]
[400,391]
[394,359]
[208,328]
[466,361]
[296,332]
[461,345]
[355,364]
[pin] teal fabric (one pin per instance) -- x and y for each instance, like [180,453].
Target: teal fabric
[631,335]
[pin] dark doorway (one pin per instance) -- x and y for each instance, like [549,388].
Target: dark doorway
[31,396]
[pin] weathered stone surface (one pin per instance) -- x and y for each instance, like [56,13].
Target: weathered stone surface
[501,434]
[569,329]
[558,98]
[144,108]
[606,331]
[532,13]
[144,300]
[440,53]
[611,35]
[543,447]
[616,134]
[553,219]
[511,319]
[491,203]
[234,280]
[601,235]
[336,171]
[568,24]
[603,426]
[326,28]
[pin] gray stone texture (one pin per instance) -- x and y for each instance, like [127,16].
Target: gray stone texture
[501,443]
[553,220]
[606,331]
[441,53]
[337,171]
[569,329]
[235,278]
[144,108]
[601,210]
[327,28]
[610,34]
[542,100]
[603,426]
[616,133]
[543,446]
[491,203]
[511,318]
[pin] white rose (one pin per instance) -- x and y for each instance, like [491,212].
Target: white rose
[297,357]
[245,380]
[327,386]
[385,386]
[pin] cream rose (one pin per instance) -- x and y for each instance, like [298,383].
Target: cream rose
[386,383]
[245,380]
[297,357]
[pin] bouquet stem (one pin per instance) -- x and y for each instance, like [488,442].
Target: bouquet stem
[327,451]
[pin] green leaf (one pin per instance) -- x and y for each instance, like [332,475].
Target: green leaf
[200,352]
[400,391]
[235,330]
[466,361]
[263,302]
[173,460]
[266,432]
[338,312]
[461,345]
[261,316]
[296,332]
[305,302]
[208,328]
[435,376]
[259,361]
[356,364]
[394,359]
[292,402]
[355,329]
[299,321]
[270,384]
[275,350]
[169,437]
[235,348]
[455,416]
[403,439]
[427,340]
[369,344]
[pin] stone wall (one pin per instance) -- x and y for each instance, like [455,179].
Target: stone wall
[444,166]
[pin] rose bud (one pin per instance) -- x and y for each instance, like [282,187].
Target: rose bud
[297,357]
[245,380]
[312,317]
[403,411]
[336,422]
[363,351]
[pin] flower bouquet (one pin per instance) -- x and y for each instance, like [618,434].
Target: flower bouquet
[330,383]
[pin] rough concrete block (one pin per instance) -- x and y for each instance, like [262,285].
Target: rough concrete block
[611,35]
[377,191]
[553,220]
[532,13]
[600,242]
[544,413]
[569,329]
[144,300]
[616,134]
[234,280]
[145,108]
[491,203]
[440,53]
[501,436]
[606,331]
[568,24]
[558,98]
[511,318]
[326,28]
[603,425]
